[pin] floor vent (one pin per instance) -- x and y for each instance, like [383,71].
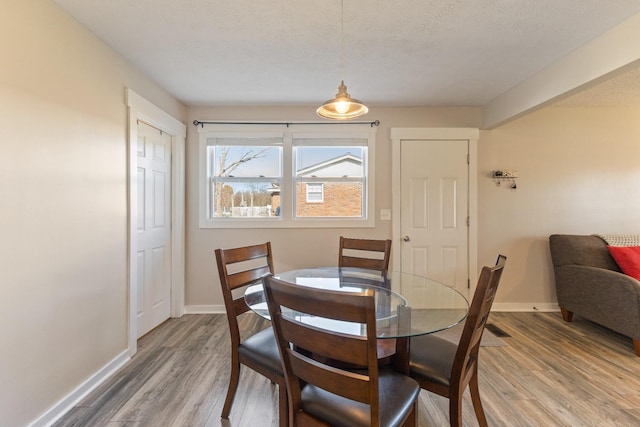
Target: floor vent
[496,331]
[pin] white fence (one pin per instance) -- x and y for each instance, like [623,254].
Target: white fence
[250,211]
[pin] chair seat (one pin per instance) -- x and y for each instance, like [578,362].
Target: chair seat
[261,348]
[397,394]
[431,359]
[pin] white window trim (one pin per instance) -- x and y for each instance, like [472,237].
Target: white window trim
[286,219]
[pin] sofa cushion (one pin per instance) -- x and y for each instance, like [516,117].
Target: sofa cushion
[590,251]
[628,258]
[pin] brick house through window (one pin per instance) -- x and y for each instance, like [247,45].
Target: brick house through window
[332,188]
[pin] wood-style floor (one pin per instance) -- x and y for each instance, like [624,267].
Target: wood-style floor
[550,373]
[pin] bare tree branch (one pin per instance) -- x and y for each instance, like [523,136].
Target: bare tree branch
[225,170]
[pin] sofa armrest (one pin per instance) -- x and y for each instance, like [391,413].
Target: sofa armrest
[606,297]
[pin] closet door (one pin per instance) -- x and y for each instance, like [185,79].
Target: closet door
[154,228]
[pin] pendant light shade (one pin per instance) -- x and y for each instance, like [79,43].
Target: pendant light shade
[342,107]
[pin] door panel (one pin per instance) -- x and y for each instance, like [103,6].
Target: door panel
[434,210]
[154,228]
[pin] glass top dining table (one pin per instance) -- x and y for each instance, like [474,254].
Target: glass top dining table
[406,304]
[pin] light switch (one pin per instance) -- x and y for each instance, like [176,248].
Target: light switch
[385,214]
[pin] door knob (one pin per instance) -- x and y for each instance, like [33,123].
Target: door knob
[406,238]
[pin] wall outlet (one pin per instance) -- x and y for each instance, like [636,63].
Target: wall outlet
[385,214]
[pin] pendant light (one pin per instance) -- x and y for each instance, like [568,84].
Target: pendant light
[342,107]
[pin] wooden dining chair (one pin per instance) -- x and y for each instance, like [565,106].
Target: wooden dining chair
[323,394]
[238,268]
[352,252]
[445,368]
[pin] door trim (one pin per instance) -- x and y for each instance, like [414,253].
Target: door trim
[143,110]
[439,134]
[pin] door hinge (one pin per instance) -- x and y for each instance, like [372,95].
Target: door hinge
[468,283]
[468,221]
[468,160]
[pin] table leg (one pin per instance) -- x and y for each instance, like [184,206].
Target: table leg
[401,360]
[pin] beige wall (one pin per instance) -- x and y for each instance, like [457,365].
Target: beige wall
[294,248]
[63,192]
[579,173]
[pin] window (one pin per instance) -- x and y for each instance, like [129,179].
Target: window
[244,173]
[333,174]
[315,193]
[297,176]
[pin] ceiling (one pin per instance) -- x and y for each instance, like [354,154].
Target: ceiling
[396,53]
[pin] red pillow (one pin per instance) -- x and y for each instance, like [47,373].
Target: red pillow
[627,258]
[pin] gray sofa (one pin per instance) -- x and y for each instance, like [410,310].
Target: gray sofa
[590,284]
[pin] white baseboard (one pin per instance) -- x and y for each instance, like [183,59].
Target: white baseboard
[205,309]
[68,402]
[542,307]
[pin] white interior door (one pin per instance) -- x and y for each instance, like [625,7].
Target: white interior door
[434,200]
[154,228]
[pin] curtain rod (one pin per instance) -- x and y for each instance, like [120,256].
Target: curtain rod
[199,123]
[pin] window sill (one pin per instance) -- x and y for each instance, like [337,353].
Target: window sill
[291,223]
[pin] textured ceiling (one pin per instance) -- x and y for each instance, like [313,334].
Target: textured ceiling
[620,91]
[396,53]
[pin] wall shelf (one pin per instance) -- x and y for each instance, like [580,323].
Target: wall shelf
[501,175]
[504,174]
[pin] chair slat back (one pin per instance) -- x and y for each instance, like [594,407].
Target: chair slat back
[467,353]
[238,268]
[242,278]
[347,348]
[351,385]
[306,349]
[347,256]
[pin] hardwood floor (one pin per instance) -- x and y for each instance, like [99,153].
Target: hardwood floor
[550,373]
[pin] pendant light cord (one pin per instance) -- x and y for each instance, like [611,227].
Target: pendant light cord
[342,40]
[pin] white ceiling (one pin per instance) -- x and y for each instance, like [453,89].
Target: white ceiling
[396,53]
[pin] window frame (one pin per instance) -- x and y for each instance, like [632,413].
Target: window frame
[319,185]
[288,132]
[267,141]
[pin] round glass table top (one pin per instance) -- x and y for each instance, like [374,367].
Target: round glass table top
[406,304]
